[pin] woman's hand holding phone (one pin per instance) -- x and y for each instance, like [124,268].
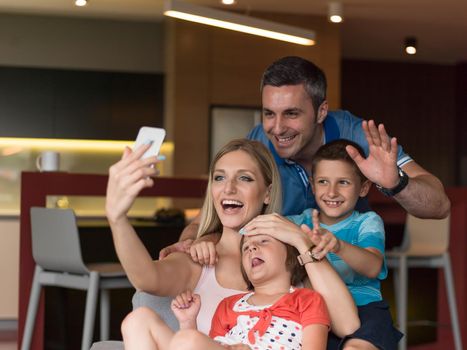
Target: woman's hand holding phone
[132,173]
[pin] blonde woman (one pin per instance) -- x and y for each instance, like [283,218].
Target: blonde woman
[243,183]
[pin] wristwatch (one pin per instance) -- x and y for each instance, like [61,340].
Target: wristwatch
[403,181]
[307,257]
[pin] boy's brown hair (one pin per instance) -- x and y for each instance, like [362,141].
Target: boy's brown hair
[335,150]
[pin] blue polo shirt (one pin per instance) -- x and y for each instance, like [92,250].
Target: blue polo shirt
[296,189]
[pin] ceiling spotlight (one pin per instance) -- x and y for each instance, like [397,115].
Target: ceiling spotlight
[410,45]
[228,2]
[336,13]
[81,3]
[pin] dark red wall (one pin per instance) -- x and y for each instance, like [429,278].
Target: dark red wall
[420,104]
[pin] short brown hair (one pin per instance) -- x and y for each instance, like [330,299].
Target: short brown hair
[335,150]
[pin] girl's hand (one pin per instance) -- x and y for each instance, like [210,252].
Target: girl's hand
[280,228]
[127,178]
[185,307]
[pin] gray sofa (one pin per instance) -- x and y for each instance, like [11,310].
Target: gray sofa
[159,304]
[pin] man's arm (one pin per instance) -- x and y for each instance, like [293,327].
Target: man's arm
[187,237]
[202,250]
[424,196]
[191,230]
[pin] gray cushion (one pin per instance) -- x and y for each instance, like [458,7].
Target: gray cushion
[161,305]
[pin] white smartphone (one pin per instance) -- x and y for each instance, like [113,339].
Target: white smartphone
[147,135]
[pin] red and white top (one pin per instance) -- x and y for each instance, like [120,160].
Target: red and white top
[277,326]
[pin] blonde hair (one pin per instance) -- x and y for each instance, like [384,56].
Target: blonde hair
[210,221]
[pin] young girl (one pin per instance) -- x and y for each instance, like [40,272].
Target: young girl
[275,315]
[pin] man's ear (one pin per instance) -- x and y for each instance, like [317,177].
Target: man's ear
[366,185]
[310,179]
[322,112]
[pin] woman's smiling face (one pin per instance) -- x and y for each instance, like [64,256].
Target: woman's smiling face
[238,189]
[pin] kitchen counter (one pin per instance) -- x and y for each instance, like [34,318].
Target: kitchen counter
[35,187]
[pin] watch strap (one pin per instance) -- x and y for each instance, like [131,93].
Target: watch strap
[307,257]
[403,182]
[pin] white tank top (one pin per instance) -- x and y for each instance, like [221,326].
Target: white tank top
[211,293]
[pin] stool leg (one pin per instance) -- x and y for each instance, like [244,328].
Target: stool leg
[396,285]
[452,301]
[402,301]
[32,309]
[90,312]
[105,314]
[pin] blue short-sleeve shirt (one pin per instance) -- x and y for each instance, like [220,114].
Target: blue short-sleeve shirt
[363,230]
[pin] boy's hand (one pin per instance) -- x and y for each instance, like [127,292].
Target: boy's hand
[185,307]
[324,240]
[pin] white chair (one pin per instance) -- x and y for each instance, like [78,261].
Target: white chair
[425,244]
[57,253]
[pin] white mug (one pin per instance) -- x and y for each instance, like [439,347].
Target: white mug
[48,161]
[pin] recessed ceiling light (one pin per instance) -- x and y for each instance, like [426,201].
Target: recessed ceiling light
[336,13]
[410,45]
[228,2]
[81,3]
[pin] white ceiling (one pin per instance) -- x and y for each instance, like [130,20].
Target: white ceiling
[373,29]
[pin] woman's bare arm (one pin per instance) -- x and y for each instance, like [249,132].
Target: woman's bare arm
[126,180]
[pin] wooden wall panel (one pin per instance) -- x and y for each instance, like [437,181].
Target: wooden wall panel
[208,66]
[190,95]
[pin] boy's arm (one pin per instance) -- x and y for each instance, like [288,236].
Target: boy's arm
[365,261]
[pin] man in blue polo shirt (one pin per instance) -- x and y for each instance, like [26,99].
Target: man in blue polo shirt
[296,122]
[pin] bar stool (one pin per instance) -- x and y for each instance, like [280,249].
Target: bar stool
[425,244]
[57,253]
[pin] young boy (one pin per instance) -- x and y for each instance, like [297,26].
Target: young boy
[353,242]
